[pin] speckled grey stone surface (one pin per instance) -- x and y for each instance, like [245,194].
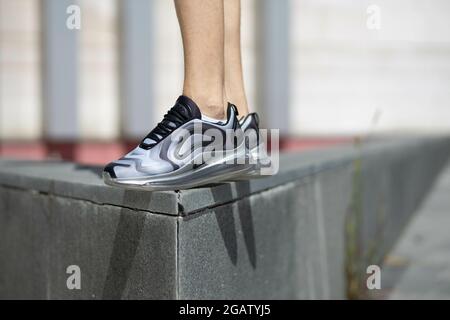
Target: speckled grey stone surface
[84,182]
[122,253]
[307,232]
[273,245]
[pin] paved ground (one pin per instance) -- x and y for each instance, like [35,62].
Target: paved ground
[419,266]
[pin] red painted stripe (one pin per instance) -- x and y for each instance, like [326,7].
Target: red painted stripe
[100,153]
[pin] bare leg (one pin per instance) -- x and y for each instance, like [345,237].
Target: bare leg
[202,29]
[234,80]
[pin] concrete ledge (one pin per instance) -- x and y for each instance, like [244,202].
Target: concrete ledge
[308,232]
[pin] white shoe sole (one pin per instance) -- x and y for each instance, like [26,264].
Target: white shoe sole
[184,178]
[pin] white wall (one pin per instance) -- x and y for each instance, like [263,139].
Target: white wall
[99,72]
[343,73]
[20,86]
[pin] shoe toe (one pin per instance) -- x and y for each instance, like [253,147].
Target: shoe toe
[110,169]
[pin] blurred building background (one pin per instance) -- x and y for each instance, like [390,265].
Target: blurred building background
[317,69]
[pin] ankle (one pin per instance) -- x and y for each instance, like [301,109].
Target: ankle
[242,109]
[209,106]
[213,111]
[241,105]
[236,95]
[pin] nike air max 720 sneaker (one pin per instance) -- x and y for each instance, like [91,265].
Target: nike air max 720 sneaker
[254,143]
[183,151]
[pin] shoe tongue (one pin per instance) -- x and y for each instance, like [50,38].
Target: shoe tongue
[184,102]
[182,105]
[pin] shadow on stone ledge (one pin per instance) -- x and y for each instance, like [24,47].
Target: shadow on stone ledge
[126,242]
[226,219]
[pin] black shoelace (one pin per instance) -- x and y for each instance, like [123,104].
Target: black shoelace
[173,119]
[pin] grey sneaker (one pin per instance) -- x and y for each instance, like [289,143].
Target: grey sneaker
[183,151]
[255,145]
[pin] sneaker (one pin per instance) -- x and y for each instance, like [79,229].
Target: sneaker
[255,146]
[183,151]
